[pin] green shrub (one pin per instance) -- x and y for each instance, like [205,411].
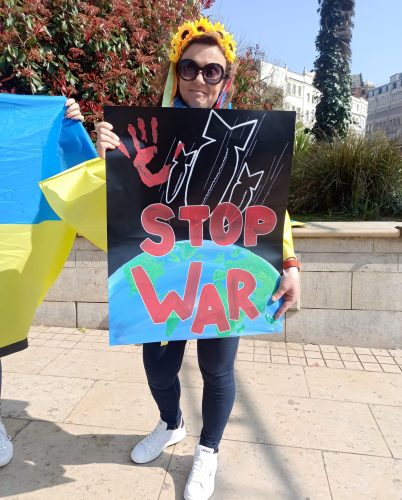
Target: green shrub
[303,141]
[102,52]
[357,176]
[97,51]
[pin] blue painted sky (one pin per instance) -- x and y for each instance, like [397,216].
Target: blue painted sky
[286,30]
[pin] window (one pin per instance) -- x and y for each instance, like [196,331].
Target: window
[288,88]
[300,89]
[308,97]
[293,89]
[307,116]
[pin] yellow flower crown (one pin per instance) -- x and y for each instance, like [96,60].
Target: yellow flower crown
[190,30]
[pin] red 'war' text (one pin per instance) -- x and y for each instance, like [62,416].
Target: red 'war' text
[240,284]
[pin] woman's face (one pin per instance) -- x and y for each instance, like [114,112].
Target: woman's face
[198,93]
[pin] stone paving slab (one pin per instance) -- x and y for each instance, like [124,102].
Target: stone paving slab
[389,420]
[60,461]
[42,397]
[358,477]
[271,379]
[253,471]
[310,421]
[118,405]
[306,423]
[363,387]
[31,360]
[83,363]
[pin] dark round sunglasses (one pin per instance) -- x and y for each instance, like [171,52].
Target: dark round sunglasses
[213,73]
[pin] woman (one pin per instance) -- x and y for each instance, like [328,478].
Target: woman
[6,446]
[200,76]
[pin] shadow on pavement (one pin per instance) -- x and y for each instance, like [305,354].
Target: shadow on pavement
[273,460]
[43,451]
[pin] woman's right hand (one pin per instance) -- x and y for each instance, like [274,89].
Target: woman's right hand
[105,138]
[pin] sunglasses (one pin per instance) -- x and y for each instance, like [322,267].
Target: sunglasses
[213,73]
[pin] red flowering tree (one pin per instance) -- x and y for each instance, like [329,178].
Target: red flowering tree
[99,52]
[251,91]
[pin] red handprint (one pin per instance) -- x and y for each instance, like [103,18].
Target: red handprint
[145,155]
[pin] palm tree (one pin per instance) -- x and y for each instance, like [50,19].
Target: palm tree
[332,67]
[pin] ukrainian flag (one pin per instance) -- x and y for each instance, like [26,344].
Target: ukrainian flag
[36,142]
[78,196]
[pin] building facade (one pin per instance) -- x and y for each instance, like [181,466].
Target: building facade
[301,95]
[385,109]
[358,111]
[361,88]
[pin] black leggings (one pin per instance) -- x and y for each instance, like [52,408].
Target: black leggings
[216,361]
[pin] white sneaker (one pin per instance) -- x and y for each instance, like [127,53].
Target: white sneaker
[160,438]
[201,483]
[6,447]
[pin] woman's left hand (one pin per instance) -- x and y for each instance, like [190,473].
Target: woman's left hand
[73,110]
[289,289]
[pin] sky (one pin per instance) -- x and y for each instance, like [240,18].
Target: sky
[286,31]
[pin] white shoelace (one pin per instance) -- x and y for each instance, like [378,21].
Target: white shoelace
[155,439]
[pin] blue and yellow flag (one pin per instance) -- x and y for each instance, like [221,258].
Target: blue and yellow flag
[78,196]
[37,142]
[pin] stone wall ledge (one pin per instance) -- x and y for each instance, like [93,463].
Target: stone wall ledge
[355,229]
[351,286]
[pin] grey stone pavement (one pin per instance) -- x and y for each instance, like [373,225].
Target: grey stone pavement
[310,422]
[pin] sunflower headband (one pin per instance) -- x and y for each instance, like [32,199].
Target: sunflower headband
[190,30]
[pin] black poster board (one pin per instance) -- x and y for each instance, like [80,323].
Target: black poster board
[196,204]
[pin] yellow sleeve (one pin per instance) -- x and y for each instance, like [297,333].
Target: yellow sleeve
[288,249]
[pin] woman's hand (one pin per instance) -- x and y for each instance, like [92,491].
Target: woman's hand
[289,289]
[73,110]
[105,138]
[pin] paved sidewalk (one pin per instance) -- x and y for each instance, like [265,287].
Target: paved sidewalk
[310,422]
